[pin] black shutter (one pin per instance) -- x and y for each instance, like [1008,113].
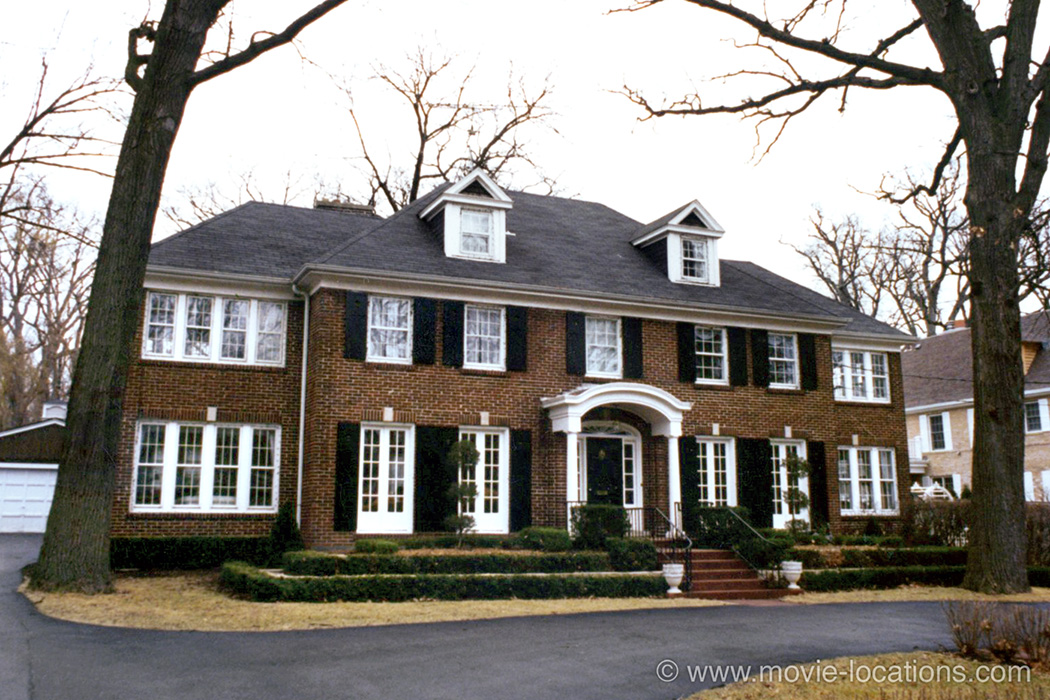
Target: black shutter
[520,479]
[347,438]
[818,483]
[755,479]
[433,477]
[424,319]
[632,348]
[737,356]
[517,338]
[452,345]
[575,343]
[807,360]
[355,342]
[760,357]
[689,478]
[686,352]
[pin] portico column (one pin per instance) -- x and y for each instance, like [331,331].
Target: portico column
[674,481]
[572,474]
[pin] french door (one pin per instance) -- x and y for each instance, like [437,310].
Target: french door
[490,506]
[384,503]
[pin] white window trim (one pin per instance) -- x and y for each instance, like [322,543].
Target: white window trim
[491,523]
[730,444]
[795,384]
[675,269]
[724,381]
[876,480]
[405,518]
[369,357]
[501,366]
[207,481]
[619,347]
[1044,416]
[215,349]
[927,435]
[453,225]
[490,255]
[868,372]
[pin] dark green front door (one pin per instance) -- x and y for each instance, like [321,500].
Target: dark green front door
[605,471]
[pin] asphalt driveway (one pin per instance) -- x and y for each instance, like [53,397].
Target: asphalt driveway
[601,655]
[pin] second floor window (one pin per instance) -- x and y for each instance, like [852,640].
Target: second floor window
[603,346]
[783,361]
[201,328]
[389,329]
[937,441]
[475,237]
[861,375]
[694,259]
[483,337]
[711,355]
[1033,421]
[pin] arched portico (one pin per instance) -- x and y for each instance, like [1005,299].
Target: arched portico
[662,410]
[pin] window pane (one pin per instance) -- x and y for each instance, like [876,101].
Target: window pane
[628,473]
[235,328]
[160,333]
[1032,421]
[839,373]
[227,450]
[388,322]
[857,385]
[490,460]
[151,465]
[483,337]
[198,327]
[937,432]
[270,343]
[188,466]
[264,453]
[370,471]
[603,346]
[694,259]
[867,496]
[710,353]
[396,473]
[475,232]
[887,480]
[845,482]
[782,360]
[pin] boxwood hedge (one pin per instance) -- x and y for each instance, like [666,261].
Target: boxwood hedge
[891,577]
[321,564]
[244,579]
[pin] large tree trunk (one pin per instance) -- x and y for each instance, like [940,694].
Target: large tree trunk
[76,545]
[997,541]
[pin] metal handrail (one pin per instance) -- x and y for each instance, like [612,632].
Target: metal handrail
[678,532]
[687,551]
[748,526]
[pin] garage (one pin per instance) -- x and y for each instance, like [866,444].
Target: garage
[25,496]
[29,457]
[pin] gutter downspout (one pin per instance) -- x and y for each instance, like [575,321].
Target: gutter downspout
[302,404]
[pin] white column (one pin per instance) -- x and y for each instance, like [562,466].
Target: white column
[674,481]
[572,474]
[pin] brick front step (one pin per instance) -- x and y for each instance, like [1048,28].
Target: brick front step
[720,575]
[762,594]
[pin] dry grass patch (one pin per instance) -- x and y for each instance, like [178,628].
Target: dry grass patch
[918,593]
[943,671]
[193,601]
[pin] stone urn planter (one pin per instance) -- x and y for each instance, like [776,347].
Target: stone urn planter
[792,571]
[673,574]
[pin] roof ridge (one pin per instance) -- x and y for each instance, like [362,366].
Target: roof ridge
[220,215]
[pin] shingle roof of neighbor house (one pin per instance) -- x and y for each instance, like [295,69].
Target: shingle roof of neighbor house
[940,369]
[557,243]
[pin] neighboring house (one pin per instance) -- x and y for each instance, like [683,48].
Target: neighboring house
[29,457]
[938,391]
[589,357]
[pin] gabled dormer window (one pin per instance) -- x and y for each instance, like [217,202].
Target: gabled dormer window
[471,215]
[685,243]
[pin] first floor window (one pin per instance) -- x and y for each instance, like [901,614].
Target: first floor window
[483,337]
[203,468]
[603,346]
[711,355]
[783,361]
[389,329]
[160,324]
[717,472]
[867,480]
[861,375]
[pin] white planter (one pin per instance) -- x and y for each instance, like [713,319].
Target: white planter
[673,574]
[792,571]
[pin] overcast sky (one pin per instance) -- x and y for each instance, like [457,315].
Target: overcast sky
[282,114]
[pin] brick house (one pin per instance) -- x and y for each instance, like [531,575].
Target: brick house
[938,392]
[329,358]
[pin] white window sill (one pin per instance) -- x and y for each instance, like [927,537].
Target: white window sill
[876,402]
[209,361]
[856,513]
[604,375]
[712,382]
[786,387]
[389,360]
[485,368]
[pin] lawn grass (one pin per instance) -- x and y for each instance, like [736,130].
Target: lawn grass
[193,601]
[1022,687]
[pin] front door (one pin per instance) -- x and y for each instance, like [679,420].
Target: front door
[605,471]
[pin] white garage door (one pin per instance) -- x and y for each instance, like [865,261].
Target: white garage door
[25,496]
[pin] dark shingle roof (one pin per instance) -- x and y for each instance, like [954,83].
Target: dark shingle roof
[940,369]
[557,243]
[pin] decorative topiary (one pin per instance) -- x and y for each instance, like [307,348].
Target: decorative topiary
[284,534]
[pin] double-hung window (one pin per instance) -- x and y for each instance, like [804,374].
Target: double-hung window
[938,431]
[695,259]
[867,481]
[603,346]
[711,355]
[1037,416]
[389,329]
[783,360]
[717,472]
[203,468]
[203,328]
[484,330]
[861,375]
[475,236]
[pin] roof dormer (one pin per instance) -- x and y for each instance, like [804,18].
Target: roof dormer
[685,244]
[472,217]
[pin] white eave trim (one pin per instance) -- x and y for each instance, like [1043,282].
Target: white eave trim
[42,466]
[33,426]
[182,280]
[968,403]
[315,277]
[848,341]
[696,231]
[467,200]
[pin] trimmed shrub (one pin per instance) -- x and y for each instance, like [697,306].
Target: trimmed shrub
[593,523]
[762,554]
[925,556]
[185,552]
[284,535]
[888,577]
[376,547]
[547,539]
[451,542]
[810,558]
[936,523]
[632,555]
[243,579]
[321,564]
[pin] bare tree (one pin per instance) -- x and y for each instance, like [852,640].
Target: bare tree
[998,84]
[75,553]
[453,133]
[200,203]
